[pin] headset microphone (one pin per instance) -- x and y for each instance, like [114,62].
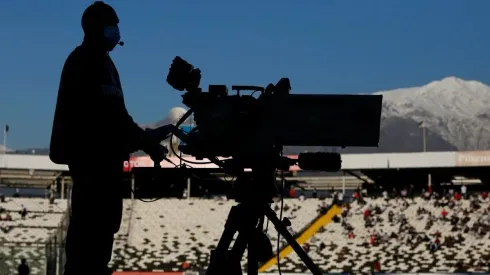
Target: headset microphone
[121,43]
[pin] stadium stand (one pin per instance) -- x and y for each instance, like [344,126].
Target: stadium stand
[26,237]
[403,235]
[411,235]
[174,234]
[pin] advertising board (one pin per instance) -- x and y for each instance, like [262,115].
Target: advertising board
[473,158]
[148,273]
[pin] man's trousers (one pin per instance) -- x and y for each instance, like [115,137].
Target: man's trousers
[96,213]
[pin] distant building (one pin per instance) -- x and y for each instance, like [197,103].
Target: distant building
[4,150]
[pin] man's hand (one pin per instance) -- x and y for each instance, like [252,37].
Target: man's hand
[160,133]
[158,154]
[151,145]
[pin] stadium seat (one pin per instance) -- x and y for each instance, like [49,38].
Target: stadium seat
[165,234]
[395,253]
[168,234]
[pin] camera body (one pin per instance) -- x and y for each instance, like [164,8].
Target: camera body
[244,126]
[227,125]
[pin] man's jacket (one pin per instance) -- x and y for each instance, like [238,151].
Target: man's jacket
[91,120]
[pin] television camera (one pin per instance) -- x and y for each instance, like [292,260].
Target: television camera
[250,132]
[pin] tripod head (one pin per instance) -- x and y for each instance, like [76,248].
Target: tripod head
[254,192]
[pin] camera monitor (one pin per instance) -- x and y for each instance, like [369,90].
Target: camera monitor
[324,120]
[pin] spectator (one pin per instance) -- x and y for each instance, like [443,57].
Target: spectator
[185,266]
[444,213]
[385,195]
[435,245]
[23,268]
[457,196]
[341,196]
[364,191]
[377,266]
[3,214]
[372,239]
[51,196]
[17,193]
[2,197]
[451,204]
[411,190]
[394,192]
[463,190]
[345,211]
[356,195]
[322,209]
[367,213]
[23,212]
[5,228]
[391,216]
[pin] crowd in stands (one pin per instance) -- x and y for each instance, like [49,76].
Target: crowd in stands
[396,231]
[172,233]
[390,230]
[406,232]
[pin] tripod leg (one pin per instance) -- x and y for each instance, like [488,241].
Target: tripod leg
[246,239]
[220,257]
[281,228]
[252,257]
[231,227]
[241,243]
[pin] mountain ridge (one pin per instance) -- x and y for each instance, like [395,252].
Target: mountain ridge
[456,109]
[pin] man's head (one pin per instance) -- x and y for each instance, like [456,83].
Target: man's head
[23,261]
[100,25]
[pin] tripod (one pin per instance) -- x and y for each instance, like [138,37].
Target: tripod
[253,195]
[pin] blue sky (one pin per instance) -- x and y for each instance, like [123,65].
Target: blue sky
[324,46]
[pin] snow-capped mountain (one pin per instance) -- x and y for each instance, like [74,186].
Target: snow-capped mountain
[455,109]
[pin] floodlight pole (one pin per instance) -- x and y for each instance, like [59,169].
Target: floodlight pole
[424,147]
[4,153]
[5,142]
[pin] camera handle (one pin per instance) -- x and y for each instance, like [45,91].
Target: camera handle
[239,88]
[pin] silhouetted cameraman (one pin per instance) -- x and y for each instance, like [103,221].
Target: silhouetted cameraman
[94,134]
